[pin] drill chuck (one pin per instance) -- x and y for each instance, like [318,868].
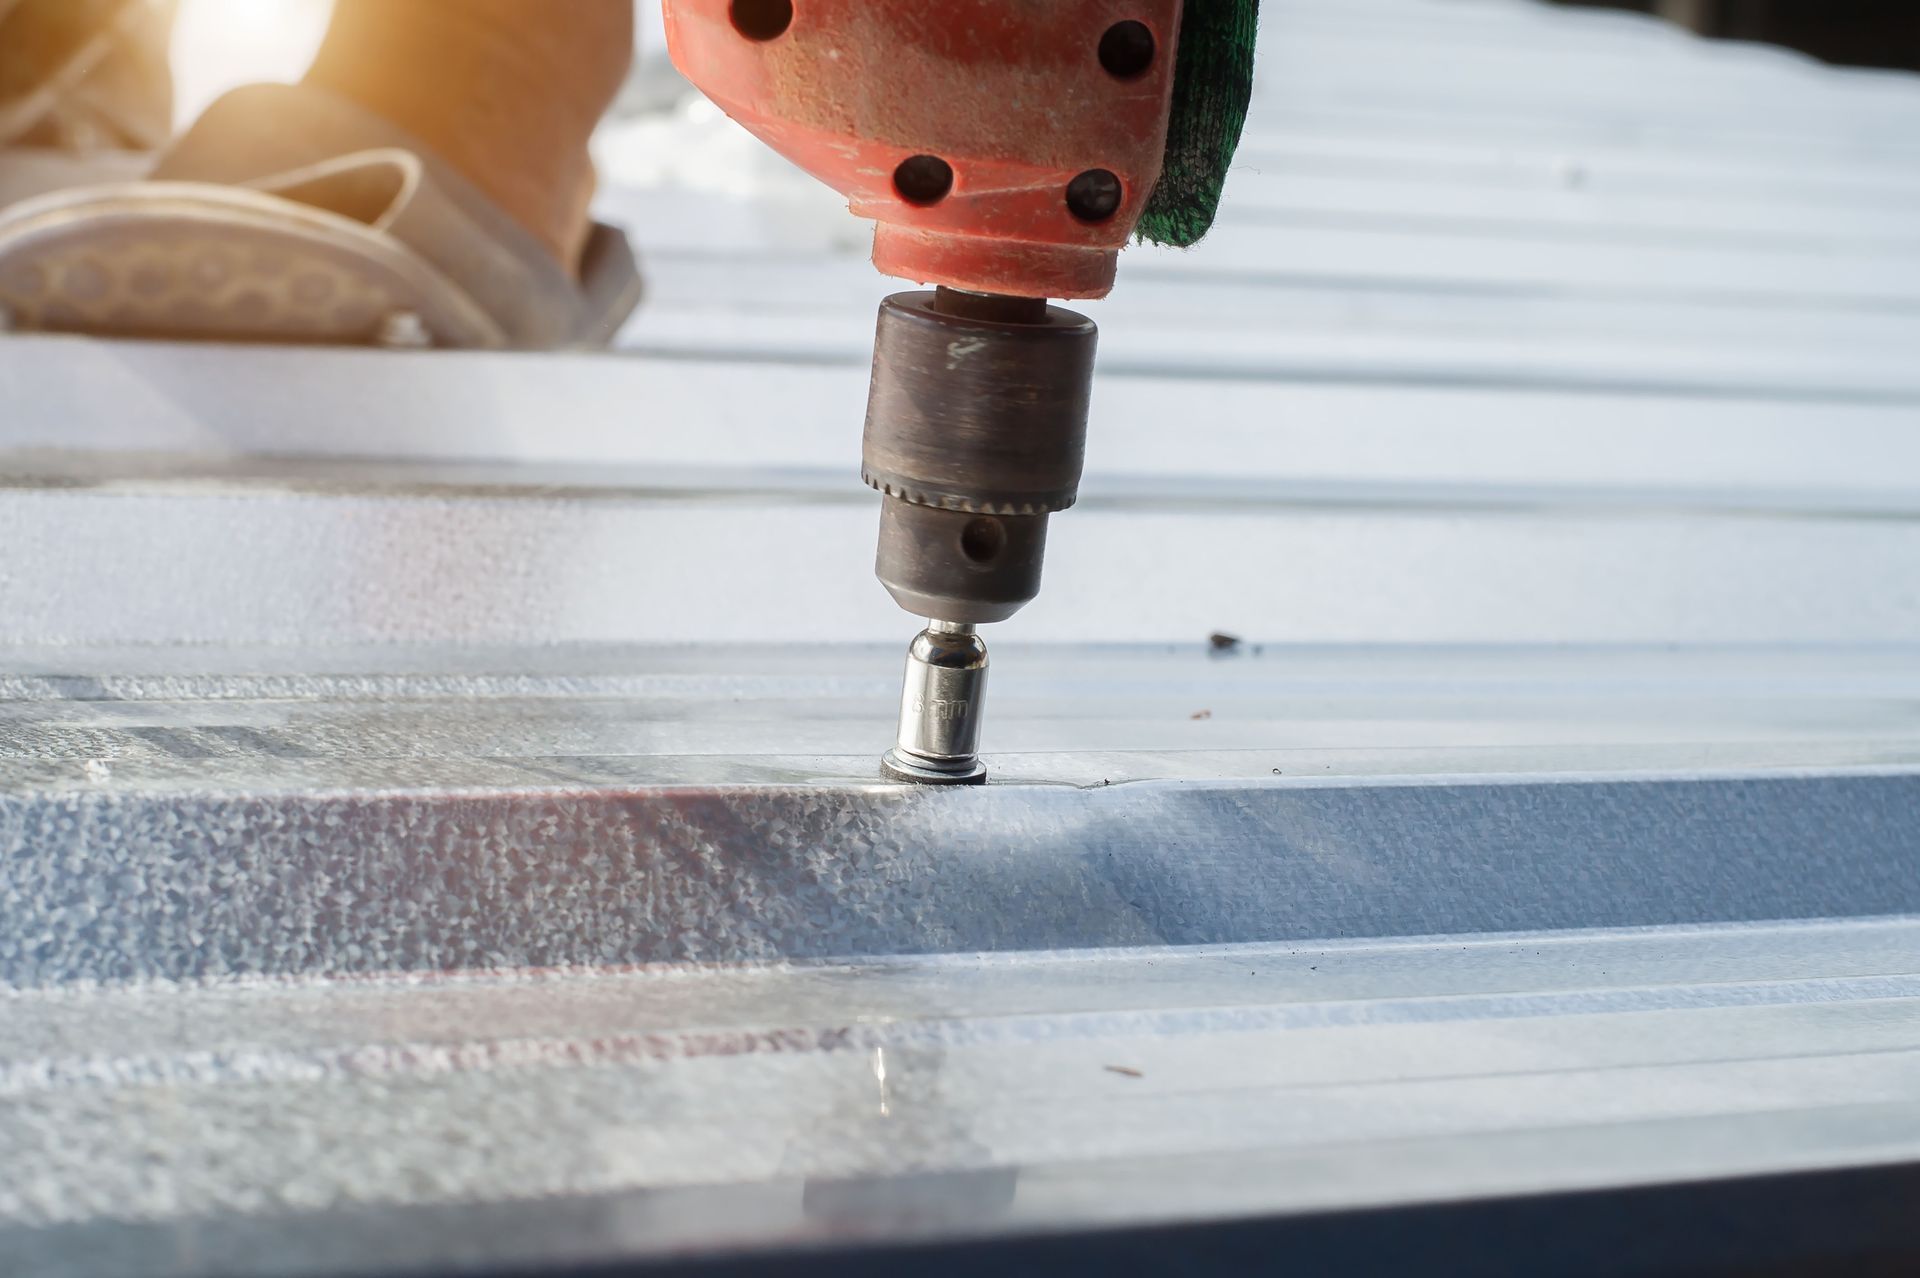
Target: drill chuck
[976,433]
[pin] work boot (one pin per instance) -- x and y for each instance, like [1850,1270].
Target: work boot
[427,183]
[85,95]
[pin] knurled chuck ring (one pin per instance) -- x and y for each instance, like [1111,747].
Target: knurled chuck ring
[894,488]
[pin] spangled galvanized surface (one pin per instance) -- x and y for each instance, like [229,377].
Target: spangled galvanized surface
[117,887]
[390,809]
[1557,336]
[321,1127]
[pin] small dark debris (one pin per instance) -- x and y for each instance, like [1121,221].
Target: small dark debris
[1222,642]
[1203,714]
[1125,1071]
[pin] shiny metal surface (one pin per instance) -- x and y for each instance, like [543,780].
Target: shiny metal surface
[307,1127]
[713,714]
[108,886]
[168,819]
[414,855]
[943,700]
[347,962]
[212,561]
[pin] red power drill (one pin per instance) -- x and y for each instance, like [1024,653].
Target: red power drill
[1006,149]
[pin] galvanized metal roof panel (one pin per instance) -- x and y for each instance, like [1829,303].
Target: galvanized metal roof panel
[1543,419]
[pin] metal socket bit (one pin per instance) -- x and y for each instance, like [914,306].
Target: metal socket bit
[941,704]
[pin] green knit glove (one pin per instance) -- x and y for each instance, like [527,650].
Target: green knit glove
[1213,83]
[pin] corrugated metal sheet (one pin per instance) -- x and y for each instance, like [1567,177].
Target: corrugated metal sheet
[1542,417]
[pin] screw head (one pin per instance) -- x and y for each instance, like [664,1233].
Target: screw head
[1095,195]
[898,765]
[404,331]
